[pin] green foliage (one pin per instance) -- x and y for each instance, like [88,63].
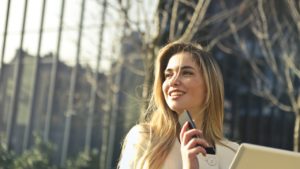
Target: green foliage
[6,157]
[84,161]
[38,158]
[35,158]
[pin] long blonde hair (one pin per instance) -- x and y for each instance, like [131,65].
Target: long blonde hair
[162,123]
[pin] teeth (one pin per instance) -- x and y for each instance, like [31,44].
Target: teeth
[176,93]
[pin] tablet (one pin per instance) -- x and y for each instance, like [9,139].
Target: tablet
[251,156]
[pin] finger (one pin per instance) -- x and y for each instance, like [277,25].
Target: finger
[197,142]
[184,128]
[193,133]
[196,150]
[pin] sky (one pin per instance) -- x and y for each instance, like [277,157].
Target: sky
[92,20]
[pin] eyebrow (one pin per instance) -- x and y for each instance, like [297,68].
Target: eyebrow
[181,68]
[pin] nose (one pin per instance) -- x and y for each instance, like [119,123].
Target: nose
[175,80]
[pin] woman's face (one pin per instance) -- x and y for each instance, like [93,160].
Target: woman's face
[184,86]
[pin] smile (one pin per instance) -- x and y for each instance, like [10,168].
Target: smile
[176,93]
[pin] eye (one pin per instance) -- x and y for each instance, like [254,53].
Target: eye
[168,75]
[187,73]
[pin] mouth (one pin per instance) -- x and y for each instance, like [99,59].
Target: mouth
[176,93]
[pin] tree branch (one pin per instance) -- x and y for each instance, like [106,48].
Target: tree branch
[295,13]
[173,19]
[197,18]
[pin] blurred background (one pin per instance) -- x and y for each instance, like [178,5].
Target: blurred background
[75,75]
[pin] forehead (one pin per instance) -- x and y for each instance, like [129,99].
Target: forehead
[181,59]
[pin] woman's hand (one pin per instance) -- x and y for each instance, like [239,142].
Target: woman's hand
[192,144]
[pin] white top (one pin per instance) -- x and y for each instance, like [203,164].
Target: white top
[221,160]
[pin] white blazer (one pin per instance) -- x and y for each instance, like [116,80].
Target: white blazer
[221,160]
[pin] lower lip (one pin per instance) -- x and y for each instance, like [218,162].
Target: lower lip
[175,97]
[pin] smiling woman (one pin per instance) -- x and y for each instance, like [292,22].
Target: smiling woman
[184,85]
[187,78]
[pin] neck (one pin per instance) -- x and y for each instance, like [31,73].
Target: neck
[198,118]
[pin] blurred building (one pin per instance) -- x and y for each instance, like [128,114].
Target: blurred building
[21,118]
[126,108]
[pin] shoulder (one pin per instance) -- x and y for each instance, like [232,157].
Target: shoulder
[134,133]
[133,147]
[230,145]
[226,151]
[137,134]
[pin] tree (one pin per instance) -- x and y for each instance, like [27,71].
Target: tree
[272,53]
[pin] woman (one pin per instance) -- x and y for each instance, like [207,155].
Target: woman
[187,78]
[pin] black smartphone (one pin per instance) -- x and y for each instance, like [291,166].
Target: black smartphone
[185,116]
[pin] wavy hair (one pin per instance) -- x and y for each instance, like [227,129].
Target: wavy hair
[162,123]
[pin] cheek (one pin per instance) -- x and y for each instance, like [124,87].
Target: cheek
[200,93]
[165,88]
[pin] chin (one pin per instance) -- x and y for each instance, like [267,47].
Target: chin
[178,110]
[176,106]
